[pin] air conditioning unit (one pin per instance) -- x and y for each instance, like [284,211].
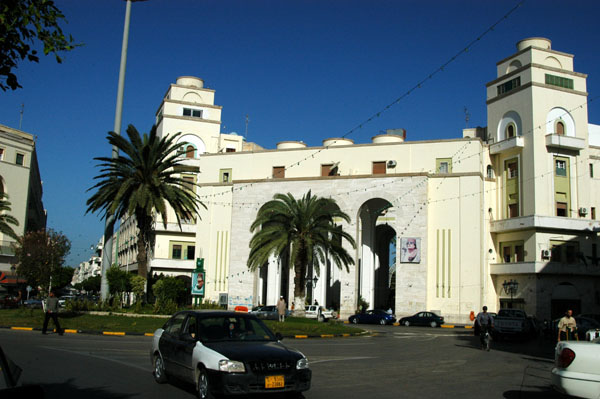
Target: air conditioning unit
[391,164]
[545,254]
[582,211]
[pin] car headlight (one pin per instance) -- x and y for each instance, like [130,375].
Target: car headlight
[302,364]
[231,366]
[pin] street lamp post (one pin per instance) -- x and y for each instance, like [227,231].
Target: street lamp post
[109,224]
[510,288]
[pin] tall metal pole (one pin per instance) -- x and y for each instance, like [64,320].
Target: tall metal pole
[110,219]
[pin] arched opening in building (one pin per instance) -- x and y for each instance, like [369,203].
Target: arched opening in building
[375,277]
[564,297]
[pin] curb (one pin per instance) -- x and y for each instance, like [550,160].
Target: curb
[122,333]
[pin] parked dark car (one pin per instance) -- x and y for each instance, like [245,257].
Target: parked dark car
[8,302]
[227,353]
[376,316]
[33,303]
[423,319]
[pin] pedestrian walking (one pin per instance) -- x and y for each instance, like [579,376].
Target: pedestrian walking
[281,308]
[51,311]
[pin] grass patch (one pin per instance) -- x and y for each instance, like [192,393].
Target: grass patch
[147,324]
[303,326]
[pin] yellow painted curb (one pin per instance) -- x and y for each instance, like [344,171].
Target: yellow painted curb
[71,331]
[326,335]
[468,326]
[22,328]
[345,335]
[396,324]
[447,326]
[112,333]
[149,334]
[300,336]
[346,322]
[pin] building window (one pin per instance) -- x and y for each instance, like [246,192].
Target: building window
[189,182]
[513,210]
[559,81]
[225,175]
[564,251]
[560,128]
[329,170]
[510,85]
[561,167]
[512,252]
[191,252]
[510,131]
[1,153]
[561,209]
[593,212]
[443,165]
[490,172]
[278,172]
[229,149]
[190,151]
[20,159]
[379,168]
[513,170]
[591,169]
[195,113]
[176,251]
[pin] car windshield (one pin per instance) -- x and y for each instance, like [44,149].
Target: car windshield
[233,328]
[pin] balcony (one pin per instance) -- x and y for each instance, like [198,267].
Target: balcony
[173,264]
[544,222]
[564,142]
[174,227]
[544,268]
[507,145]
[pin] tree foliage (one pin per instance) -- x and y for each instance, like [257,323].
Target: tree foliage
[119,280]
[7,220]
[140,182]
[41,254]
[24,25]
[62,277]
[306,229]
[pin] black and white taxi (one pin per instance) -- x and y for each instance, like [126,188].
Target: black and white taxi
[226,353]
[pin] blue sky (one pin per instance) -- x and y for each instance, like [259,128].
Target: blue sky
[301,70]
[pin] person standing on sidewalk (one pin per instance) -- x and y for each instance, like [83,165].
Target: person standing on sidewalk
[51,311]
[281,308]
[567,327]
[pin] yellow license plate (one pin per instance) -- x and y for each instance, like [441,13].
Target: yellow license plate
[274,381]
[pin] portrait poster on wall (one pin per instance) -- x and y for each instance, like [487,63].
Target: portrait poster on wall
[198,283]
[410,250]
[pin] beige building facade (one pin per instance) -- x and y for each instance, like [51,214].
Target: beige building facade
[20,179]
[442,225]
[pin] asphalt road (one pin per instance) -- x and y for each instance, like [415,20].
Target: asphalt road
[397,362]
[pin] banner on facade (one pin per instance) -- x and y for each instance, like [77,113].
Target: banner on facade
[198,283]
[410,248]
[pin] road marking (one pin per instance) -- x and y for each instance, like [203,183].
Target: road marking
[112,333]
[341,359]
[100,357]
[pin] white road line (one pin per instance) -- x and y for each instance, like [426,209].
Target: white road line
[147,370]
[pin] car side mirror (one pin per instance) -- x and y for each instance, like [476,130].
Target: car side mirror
[278,336]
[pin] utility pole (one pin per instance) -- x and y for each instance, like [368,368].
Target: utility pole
[109,225]
[21,117]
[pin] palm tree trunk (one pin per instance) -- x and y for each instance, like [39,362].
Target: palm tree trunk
[299,288]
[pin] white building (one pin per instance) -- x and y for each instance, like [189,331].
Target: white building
[513,202]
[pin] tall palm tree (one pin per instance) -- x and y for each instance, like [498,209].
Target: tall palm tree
[306,227]
[140,182]
[5,219]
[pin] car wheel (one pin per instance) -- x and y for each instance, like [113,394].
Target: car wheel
[355,320]
[160,375]
[433,324]
[406,323]
[382,322]
[202,386]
